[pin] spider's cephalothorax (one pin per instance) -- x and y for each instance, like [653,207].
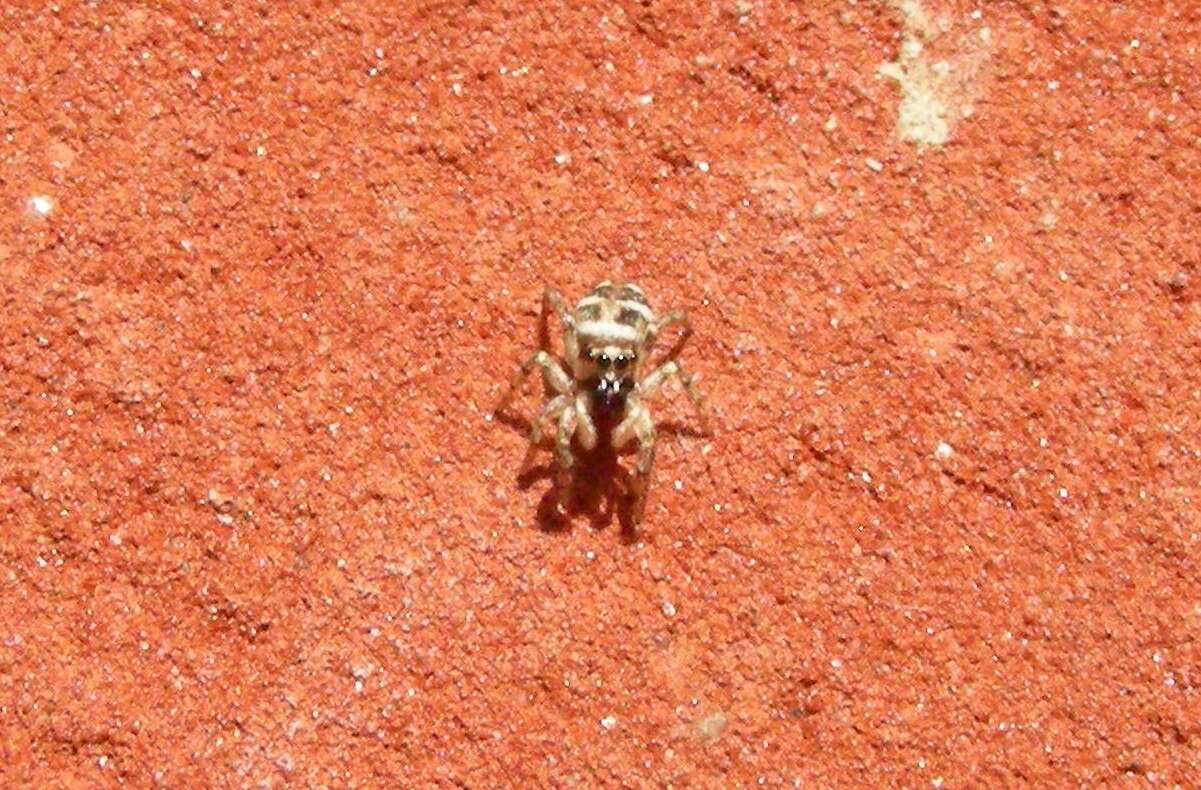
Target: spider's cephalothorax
[606,343]
[611,325]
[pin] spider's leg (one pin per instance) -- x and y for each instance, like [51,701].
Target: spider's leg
[638,425]
[586,427]
[552,373]
[673,367]
[554,300]
[674,317]
[662,322]
[564,459]
[550,411]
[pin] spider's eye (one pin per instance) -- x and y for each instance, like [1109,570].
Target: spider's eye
[622,361]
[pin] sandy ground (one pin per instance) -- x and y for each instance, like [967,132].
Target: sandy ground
[266,268]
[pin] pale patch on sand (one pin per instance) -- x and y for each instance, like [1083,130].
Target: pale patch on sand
[938,72]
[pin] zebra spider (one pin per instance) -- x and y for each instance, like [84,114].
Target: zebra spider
[600,393]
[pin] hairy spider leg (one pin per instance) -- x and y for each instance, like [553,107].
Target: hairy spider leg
[552,373]
[565,460]
[638,425]
[671,366]
[650,385]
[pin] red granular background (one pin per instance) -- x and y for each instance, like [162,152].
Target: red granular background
[266,267]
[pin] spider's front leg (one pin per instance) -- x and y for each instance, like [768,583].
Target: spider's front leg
[662,322]
[638,425]
[552,373]
[554,300]
[673,367]
[564,459]
[551,411]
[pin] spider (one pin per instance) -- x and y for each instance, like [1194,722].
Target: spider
[601,392]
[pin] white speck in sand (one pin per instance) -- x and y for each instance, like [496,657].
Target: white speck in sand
[41,205]
[609,722]
[874,164]
[944,450]
[703,167]
[669,609]
[562,158]
[185,245]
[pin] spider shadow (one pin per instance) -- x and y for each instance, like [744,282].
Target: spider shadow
[599,491]
[600,483]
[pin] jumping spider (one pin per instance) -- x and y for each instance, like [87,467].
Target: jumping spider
[607,343]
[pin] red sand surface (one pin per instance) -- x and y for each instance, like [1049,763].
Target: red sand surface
[259,527]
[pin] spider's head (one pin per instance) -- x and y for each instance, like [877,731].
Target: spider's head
[612,376]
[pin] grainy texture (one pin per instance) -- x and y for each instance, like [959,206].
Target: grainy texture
[265,267]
